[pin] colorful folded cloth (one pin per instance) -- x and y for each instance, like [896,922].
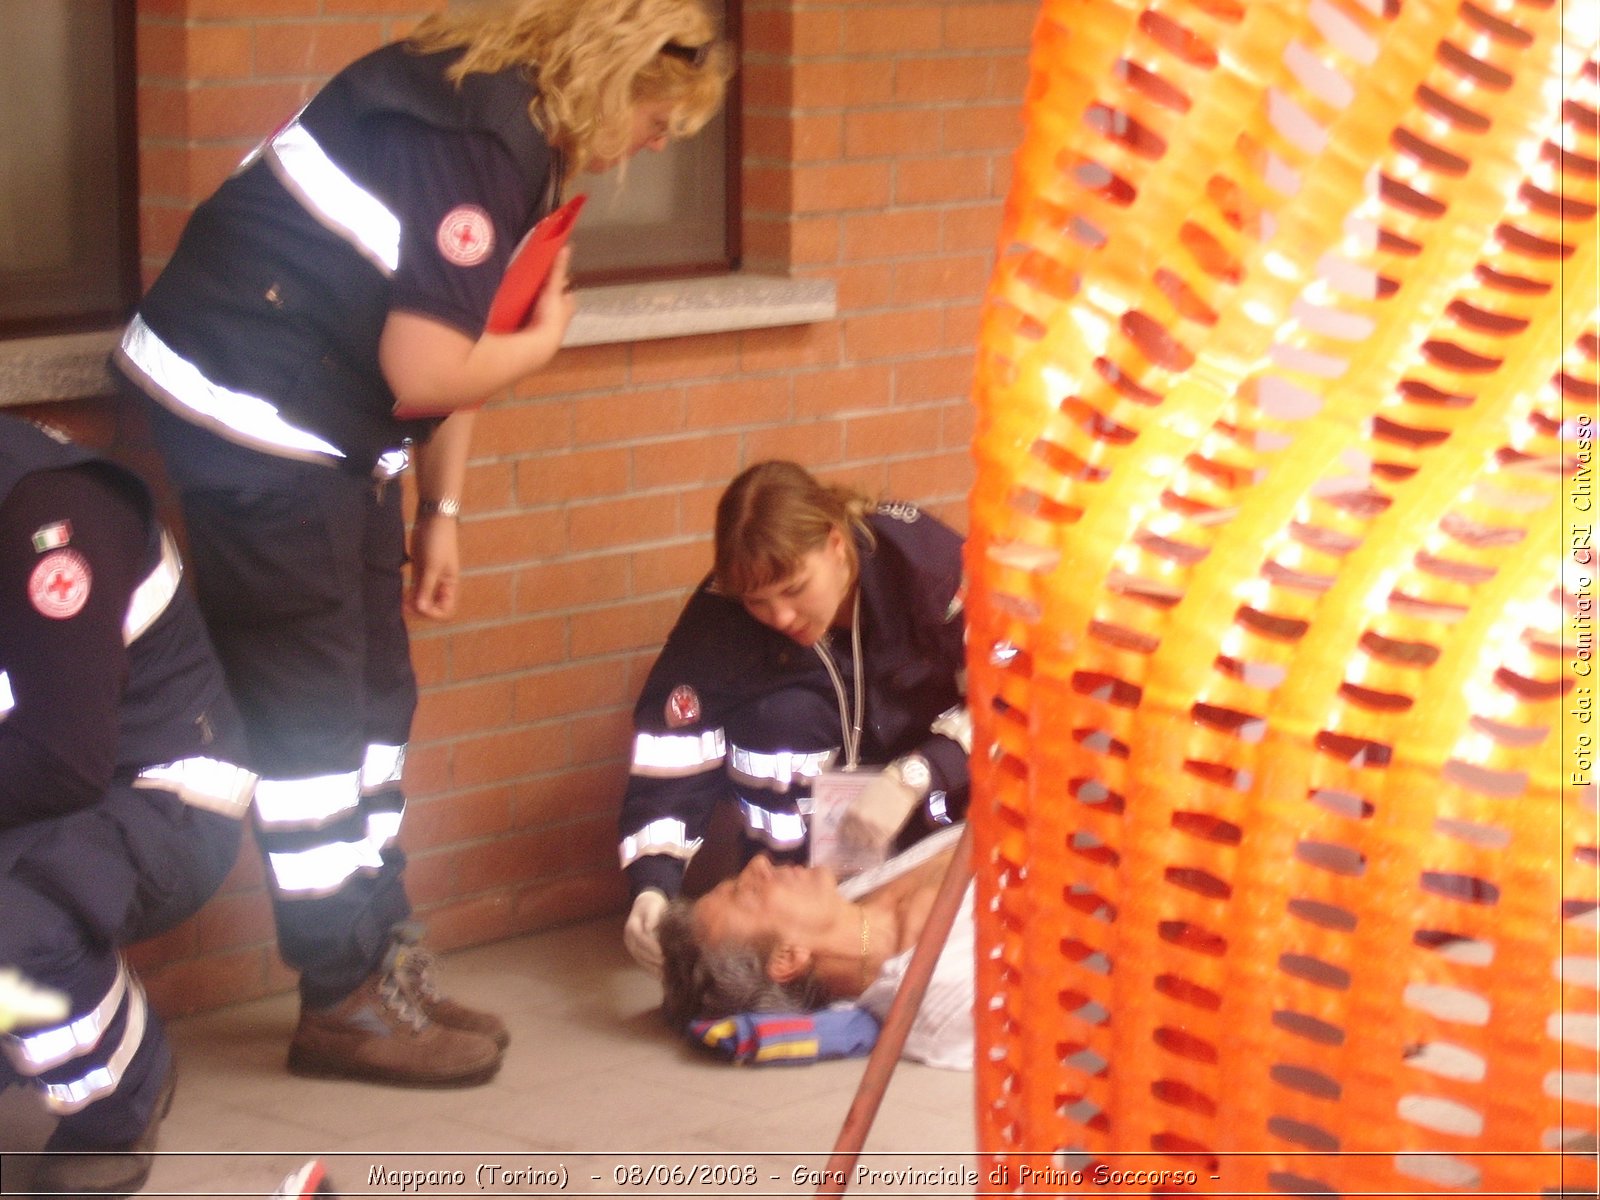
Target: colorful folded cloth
[788,1039]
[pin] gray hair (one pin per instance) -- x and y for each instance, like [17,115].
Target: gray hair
[720,981]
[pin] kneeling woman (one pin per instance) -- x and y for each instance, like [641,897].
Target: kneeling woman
[828,635]
[793,939]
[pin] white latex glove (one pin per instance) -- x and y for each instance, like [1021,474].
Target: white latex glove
[639,934]
[876,815]
[24,1003]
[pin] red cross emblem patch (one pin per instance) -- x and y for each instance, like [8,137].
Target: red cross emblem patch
[466,235]
[59,585]
[683,707]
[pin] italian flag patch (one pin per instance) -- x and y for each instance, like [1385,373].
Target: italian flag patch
[52,537]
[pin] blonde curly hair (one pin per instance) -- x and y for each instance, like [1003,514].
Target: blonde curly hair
[592,61]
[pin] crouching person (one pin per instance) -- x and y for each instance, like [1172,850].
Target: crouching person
[120,800]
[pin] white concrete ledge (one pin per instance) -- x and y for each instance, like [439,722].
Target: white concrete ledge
[74,366]
[637,312]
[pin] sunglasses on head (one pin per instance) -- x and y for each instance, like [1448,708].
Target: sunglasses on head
[695,56]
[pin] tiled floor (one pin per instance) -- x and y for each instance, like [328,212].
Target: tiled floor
[593,1086]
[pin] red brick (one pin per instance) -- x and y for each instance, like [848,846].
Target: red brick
[848,389]
[316,51]
[941,180]
[198,984]
[431,874]
[218,52]
[942,79]
[983,127]
[242,110]
[893,335]
[568,689]
[697,506]
[526,537]
[470,922]
[642,624]
[812,443]
[891,435]
[575,475]
[513,429]
[462,817]
[836,84]
[864,287]
[505,754]
[992,26]
[606,734]
[943,474]
[570,898]
[945,377]
[789,347]
[619,523]
[427,767]
[842,187]
[628,415]
[947,278]
[679,359]
[566,582]
[962,323]
[739,402]
[890,30]
[971,227]
[685,460]
[896,233]
[509,646]
[888,133]
[243,10]
[676,568]
[765,86]
[159,51]
[463,708]
[568,795]
[233,921]
[577,369]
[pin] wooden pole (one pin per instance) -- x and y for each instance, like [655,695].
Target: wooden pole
[897,1024]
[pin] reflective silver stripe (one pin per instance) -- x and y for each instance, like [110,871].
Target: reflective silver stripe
[322,870]
[781,831]
[151,597]
[780,770]
[335,199]
[382,828]
[209,783]
[249,419]
[7,700]
[34,1053]
[391,463]
[674,755]
[78,1094]
[382,767]
[665,835]
[302,803]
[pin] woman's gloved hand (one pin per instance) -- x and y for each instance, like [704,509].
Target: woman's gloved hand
[877,814]
[639,934]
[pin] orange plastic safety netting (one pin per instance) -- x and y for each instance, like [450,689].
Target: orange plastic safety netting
[1281,603]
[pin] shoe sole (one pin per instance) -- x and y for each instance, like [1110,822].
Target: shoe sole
[312,1069]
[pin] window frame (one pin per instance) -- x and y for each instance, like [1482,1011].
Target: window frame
[124,208]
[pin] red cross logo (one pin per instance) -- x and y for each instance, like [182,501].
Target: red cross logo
[59,585]
[466,235]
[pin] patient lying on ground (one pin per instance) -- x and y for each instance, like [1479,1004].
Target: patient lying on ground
[793,939]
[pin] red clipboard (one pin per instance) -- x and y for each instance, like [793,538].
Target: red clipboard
[530,265]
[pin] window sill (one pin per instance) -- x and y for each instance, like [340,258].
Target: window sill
[637,312]
[41,370]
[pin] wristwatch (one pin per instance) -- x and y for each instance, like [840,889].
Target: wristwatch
[914,771]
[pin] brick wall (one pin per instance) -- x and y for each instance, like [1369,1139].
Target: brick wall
[878,138]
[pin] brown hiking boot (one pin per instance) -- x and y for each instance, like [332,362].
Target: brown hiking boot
[378,1033]
[72,1167]
[416,969]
